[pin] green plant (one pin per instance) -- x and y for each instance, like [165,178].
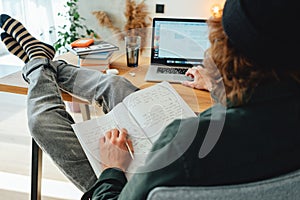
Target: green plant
[74,30]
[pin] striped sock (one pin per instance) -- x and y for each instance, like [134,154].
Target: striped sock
[14,47]
[33,47]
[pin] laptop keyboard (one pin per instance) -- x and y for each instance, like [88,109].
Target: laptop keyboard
[171,70]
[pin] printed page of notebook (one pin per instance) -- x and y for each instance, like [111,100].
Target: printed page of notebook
[157,106]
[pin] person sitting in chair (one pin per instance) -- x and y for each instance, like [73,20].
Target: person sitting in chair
[251,133]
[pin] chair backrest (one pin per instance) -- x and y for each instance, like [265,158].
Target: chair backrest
[286,187]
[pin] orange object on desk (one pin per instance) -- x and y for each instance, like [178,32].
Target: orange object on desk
[82,42]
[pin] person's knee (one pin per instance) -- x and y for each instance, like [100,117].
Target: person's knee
[116,80]
[121,84]
[46,121]
[36,123]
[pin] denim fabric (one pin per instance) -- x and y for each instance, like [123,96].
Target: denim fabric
[50,123]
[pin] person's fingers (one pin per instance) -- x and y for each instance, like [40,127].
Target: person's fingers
[188,84]
[189,74]
[123,135]
[102,140]
[124,130]
[188,71]
[114,133]
[108,135]
[191,71]
[114,136]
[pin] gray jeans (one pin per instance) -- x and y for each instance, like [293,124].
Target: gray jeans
[50,123]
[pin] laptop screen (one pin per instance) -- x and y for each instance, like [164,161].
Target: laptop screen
[179,41]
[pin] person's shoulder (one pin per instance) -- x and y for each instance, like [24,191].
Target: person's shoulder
[175,130]
[190,126]
[181,129]
[215,113]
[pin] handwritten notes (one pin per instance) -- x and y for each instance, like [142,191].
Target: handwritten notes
[144,114]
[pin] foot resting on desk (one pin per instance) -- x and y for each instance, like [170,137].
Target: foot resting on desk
[14,47]
[33,47]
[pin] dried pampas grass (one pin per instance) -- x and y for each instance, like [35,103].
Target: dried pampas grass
[136,15]
[105,21]
[137,21]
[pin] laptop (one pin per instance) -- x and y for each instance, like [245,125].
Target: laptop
[177,44]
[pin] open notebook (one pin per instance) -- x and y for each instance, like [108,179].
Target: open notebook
[177,44]
[144,113]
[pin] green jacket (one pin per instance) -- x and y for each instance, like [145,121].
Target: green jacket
[258,140]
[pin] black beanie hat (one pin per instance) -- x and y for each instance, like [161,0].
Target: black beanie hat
[265,31]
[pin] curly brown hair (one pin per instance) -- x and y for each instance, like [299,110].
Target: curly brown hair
[240,76]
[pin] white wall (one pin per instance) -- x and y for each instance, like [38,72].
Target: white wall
[116,8]
[187,8]
[173,8]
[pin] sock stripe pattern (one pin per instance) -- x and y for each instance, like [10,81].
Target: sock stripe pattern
[14,47]
[33,47]
[20,34]
[37,52]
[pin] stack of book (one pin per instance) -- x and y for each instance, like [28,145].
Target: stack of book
[96,56]
[99,61]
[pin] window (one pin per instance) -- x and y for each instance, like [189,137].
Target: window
[37,15]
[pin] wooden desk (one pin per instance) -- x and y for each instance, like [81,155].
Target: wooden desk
[198,100]
[14,83]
